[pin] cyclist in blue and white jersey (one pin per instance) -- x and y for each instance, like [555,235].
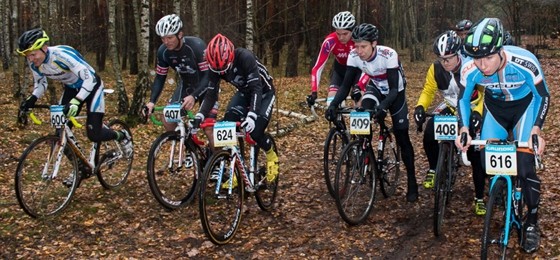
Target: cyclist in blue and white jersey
[81,83]
[516,100]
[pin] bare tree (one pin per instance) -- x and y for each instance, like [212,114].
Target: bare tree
[249,31]
[5,34]
[143,36]
[122,103]
[195,17]
[16,75]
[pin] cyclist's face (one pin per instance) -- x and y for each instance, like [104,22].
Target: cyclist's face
[172,42]
[462,33]
[365,49]
[343,35]
[36,56]
[488,65]
[449,62]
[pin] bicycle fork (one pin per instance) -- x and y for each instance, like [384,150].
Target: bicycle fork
[509,218]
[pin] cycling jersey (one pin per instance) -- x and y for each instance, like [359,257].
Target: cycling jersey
[384,69]
[65,64]
[340,51]
[447,83]
[189,63]
[247,74]
[521,76]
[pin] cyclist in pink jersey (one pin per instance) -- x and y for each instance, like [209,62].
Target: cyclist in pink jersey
[339,44]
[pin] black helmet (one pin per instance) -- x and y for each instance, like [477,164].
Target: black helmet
[365,32]
[463,25]
[508,39]
[485,38]
[447,43]
[32,40]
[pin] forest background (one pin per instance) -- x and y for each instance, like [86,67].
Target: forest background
[117,37]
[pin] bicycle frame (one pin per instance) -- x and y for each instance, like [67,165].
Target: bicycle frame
[237,157]
[514,195]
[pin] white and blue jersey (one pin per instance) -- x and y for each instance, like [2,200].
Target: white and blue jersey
[65,64]
[518,86]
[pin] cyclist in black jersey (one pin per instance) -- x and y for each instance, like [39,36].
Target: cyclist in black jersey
[80,81]
[184,54]
[254,98]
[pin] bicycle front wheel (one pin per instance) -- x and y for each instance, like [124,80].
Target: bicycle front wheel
[391,170]
[495,234]
[355,183]
[334,144]
[221,198]
[46,178]
[171,185]
[266,192]
[441,188]
[114,163]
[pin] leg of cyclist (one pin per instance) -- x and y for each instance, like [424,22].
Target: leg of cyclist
[479,181]
[431,148]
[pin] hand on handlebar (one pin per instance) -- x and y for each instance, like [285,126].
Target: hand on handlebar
[463,140]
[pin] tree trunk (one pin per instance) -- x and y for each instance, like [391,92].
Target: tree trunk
[143,36]
[111,30]
[16,75]
[195,17]
[249,29]
[6,50]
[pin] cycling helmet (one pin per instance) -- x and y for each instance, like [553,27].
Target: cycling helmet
[170,24]
[463,25]
[508,39]
[31,40]
[344,20]
[365,32]
[485,38]
[447,43]
[219,53]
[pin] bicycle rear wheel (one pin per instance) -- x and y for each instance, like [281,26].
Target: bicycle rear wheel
[494,240]
[220,207]
[114,164]
[355,183]
[441,186]
[266,192]
[172,187]
[333,146]
[39,193]
[389,179]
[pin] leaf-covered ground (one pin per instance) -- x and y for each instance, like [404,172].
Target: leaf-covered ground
[129,223]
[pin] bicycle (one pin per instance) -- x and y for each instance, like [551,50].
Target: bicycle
[337,138]
[445,131]
[358,170]
[221,198]
[175,159]
[505,209]
[52,167]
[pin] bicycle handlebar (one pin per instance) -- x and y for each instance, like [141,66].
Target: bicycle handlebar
[538,162]
[155,121]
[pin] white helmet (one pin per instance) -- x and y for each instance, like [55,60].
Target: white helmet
[168,25]
[344,20]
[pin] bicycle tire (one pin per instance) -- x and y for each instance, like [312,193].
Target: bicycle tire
[441,186]
[391,170]
[33,189]
[266,192]
[220,212]
[355,183]
[172,187]
[493,234]
[114,166]
[333,146]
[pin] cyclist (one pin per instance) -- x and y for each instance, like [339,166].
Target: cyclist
[385,91]
[339,44]
[184,54]
[81,84]
[443,76]
[516,100]
[462,28]
[253,100]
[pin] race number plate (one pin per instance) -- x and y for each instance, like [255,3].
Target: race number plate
[501,159]
[359,123]
[224,134]
[57,116]
[445,127]
[172,113]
